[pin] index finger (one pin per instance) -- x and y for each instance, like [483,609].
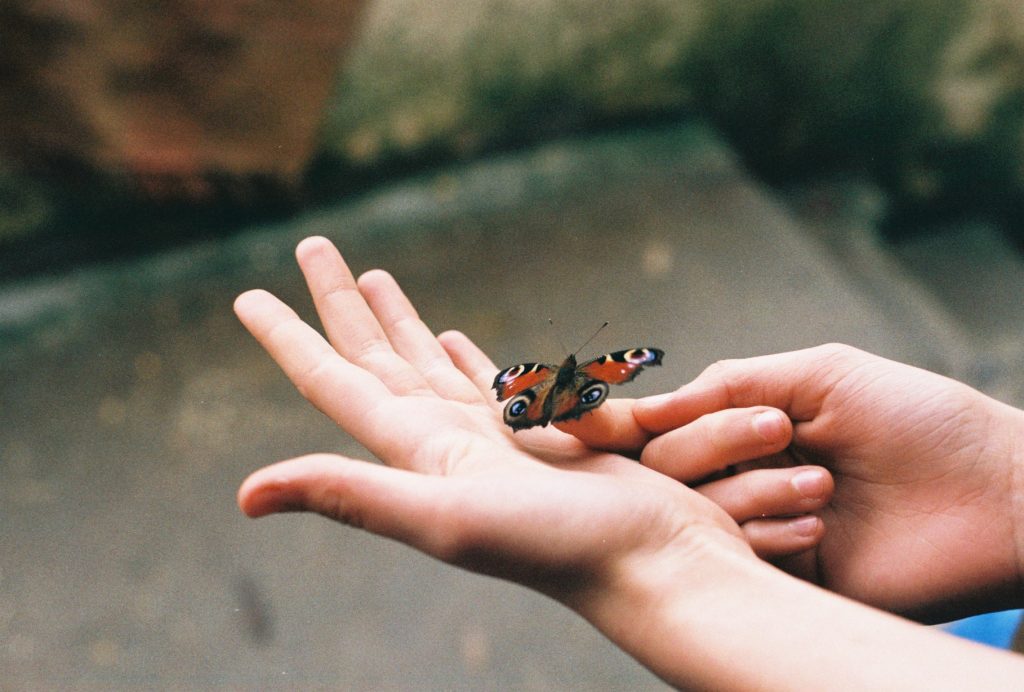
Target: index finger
[346,393]
[797,382]
[612,427]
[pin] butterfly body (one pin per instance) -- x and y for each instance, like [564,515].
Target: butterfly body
[540,393]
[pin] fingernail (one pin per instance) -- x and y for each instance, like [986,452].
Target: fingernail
[810,484]
[769,425]
[806,525]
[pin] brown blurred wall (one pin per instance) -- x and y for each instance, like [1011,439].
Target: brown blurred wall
[173,95]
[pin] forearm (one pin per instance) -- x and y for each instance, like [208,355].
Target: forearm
[725,621]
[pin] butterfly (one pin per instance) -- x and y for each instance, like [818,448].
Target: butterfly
[542,393]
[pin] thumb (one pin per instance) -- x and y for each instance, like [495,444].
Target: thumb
[389,502]
[796,382]
[611,427]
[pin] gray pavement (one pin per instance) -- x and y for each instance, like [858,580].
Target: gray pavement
[132,405]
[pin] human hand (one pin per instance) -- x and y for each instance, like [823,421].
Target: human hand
[737,468]
[924,519]
[537,507]
[660,569]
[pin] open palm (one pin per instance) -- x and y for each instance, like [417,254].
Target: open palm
[537,507]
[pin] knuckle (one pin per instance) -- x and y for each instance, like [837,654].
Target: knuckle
[837,351]
[714,433]
[653,453]
[448,547]
[459,544]
[719,368]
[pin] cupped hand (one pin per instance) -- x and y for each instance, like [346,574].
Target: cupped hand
[925,515]
[538,507]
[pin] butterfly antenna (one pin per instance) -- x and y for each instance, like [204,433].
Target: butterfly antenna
[560,343]
[596,332]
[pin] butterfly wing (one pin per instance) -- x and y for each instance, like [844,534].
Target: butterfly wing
[527,387]
[572,402]
[515,379]
[621,366]
[531,407]
[589,388]
[539,393]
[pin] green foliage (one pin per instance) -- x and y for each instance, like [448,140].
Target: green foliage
[25,206]
[811,86]
[496,72]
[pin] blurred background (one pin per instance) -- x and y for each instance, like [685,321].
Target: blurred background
[718,179]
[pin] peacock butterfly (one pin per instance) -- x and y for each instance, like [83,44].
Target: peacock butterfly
[542,393]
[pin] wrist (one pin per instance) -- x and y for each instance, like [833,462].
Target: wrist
[982,569]
[712,616]
[652,605]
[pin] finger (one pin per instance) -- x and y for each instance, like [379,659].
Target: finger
[468,358]
[351,326]
[768,493]
[611,427]
[343,391]
[388,502]
[774,538]
[412,339]
[717,440]
[796,382]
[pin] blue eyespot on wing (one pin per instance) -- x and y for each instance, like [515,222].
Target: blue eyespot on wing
[572,404]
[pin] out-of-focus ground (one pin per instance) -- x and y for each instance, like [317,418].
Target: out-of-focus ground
[132,405]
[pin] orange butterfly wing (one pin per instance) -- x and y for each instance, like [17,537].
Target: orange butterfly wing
[542,393]
[621,366]
[515,379]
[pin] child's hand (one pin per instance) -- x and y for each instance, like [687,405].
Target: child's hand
[538,507]
[927,471]
[773,506]
[661,570]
